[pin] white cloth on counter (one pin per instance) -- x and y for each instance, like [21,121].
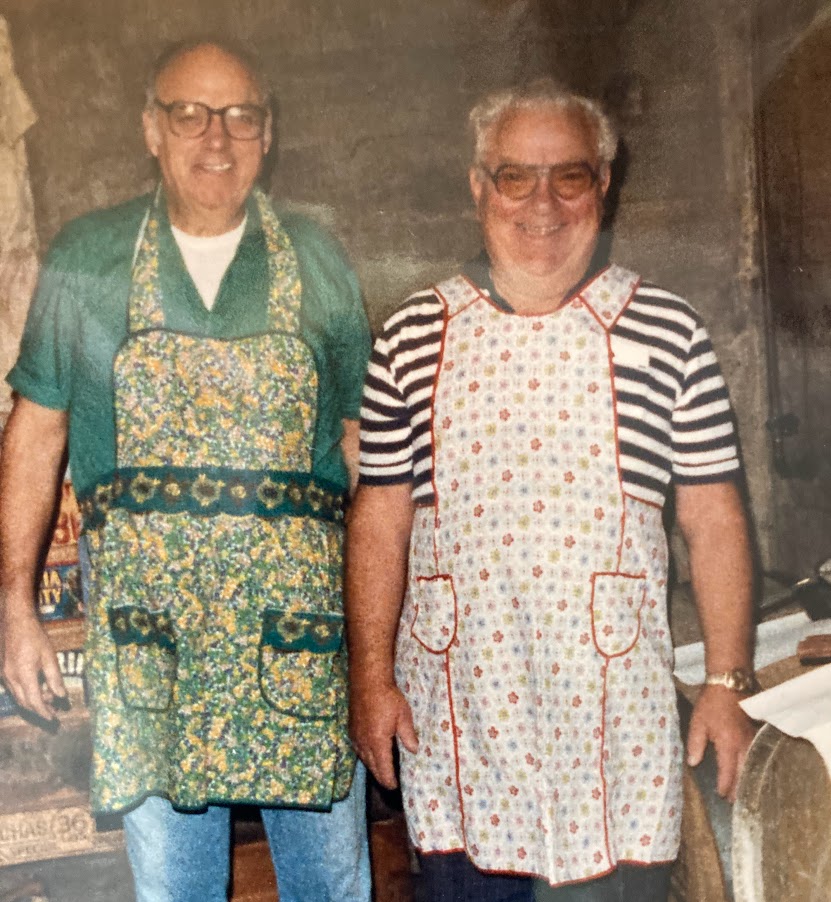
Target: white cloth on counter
[800,707]
[775,640]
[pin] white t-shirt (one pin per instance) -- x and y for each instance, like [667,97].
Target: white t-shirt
[207,258]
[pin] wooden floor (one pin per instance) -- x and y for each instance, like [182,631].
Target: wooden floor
[254,875]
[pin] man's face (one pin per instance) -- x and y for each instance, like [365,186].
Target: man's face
[543,235]
[206,179]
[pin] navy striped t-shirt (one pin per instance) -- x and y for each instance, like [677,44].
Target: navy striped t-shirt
[675,424]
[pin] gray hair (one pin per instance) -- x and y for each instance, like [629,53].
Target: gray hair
[539,94]
[239,52]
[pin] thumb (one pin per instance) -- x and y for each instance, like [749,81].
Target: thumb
[696,744]
[406,730]
[52,675]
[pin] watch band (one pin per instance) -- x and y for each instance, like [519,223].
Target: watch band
[738,680]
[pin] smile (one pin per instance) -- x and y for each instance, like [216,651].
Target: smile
[216,167]
[541,231]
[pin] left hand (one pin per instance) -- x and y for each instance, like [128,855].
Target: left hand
[717,718]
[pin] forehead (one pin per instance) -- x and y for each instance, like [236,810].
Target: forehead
[544,135]
[208,74]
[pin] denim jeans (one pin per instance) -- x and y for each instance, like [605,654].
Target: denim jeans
[182,857]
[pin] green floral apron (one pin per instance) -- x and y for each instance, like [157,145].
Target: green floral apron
[215,658]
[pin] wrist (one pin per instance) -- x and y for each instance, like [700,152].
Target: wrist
[738,679]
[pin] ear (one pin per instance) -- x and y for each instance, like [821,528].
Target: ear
[267,133]
[477,184]
[604,177]
[152,138]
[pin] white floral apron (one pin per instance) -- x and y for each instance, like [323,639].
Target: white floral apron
[215,656]
[534,647]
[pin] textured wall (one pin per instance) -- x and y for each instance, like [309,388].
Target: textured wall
[372,104]
[795,137]
[373,95]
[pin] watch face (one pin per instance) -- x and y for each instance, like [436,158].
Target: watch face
[824,570]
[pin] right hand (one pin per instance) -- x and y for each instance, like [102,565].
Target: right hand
[30,666]
[376,717]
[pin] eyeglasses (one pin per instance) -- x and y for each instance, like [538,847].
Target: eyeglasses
[191,119]
[518,181]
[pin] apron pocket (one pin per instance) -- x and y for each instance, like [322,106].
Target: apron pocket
[145,656]
[434,625]
[297,659]
[617,599]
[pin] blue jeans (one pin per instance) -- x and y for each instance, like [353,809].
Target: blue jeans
[181,857]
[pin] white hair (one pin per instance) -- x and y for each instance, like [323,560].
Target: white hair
[539,94]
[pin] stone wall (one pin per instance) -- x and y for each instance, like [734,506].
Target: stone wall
[373,96]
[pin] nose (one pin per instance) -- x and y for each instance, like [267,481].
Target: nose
[544,191]
[215,134]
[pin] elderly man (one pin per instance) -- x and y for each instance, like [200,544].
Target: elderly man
[204,358]
[522,423]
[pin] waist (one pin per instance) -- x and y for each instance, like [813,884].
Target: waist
[209,491]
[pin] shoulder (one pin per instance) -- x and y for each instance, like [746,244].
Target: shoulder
[652,299]
[420,316]
[314,245]
[96,240]
[660,319]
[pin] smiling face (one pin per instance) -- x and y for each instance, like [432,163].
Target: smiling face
[543,236]
[206,179]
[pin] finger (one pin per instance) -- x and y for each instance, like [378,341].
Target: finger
[406,733]
[726,762]
[30,697]
[53,677]
[383,767]
[696,745]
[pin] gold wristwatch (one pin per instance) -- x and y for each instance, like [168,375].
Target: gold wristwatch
[738,680]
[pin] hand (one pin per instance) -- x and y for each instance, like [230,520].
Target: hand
[375,718]
[717,718]
[30,667]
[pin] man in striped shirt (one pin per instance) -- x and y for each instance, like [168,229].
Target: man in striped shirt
[522,425]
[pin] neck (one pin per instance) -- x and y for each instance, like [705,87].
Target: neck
[205,224]
[531,293]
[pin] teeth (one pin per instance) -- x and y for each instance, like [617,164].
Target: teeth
[217,167]
[542,231]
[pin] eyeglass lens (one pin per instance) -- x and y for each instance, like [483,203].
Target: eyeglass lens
[191,119]
[569,180]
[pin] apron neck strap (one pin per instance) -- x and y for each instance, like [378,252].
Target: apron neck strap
[145,308]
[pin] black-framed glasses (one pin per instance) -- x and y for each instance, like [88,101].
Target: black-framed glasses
[518,181]
[191,119]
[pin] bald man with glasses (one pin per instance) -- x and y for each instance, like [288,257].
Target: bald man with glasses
[202,358]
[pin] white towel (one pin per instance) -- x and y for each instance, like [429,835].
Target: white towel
[18,238]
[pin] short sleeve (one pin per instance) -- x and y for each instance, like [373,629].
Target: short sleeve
[42,372]
[704,442]
[386,433]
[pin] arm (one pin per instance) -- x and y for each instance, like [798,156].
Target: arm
[714,525]
[378,537]
[349,446]
[30,470]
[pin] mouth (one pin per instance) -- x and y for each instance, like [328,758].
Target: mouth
[540,231]
[215,167]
